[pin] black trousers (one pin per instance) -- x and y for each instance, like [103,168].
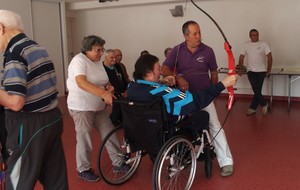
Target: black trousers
[116,114]
[3,135]
[200,121]
[256,80]
[36,150]
[193,125]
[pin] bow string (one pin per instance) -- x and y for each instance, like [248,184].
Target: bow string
[227,47]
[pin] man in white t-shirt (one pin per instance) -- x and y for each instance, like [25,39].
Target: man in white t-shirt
[259,60]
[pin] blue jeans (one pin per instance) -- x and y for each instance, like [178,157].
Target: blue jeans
[257,80]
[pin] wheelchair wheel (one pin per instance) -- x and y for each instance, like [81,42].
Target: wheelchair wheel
[175,165]
[208,160]
[116,163]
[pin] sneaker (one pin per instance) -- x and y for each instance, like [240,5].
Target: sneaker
[251,111]
[226,170]
[265,110]
[123,168]
[88,175]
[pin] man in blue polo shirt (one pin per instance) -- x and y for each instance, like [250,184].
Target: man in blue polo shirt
[194,65]
[32,118]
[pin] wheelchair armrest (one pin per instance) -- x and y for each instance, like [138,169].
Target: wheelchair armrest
[123,100]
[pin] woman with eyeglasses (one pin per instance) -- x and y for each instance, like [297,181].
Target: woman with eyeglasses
[89,92]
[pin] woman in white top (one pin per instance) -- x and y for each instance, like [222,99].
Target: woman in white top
[89,92]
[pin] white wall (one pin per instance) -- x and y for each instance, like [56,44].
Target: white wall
[47,32]
[42,23]
[23,7]
[138,27]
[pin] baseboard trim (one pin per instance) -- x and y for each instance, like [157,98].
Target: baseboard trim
[277,98]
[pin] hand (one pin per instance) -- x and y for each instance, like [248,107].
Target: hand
[109,88]
[182,84]
[230,80]
[268,74]
[108,97]
[240,72]
[124,94]
[168,81]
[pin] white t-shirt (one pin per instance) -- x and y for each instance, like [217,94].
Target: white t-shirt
[255,53]
[95,73]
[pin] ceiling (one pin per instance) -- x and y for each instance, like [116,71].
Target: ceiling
[74,0]
[68,1]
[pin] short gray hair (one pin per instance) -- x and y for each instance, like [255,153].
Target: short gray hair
[108,51]
[88,42]
[11,19]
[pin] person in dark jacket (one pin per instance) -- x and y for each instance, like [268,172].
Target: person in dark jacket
[147,87]
[118,80]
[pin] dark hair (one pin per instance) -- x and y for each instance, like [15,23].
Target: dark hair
[143,65]
[185,26]
[144,52]
[253,30]
[166,50]
[89,41]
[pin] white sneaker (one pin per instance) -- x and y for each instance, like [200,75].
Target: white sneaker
[226,170]
[265,110]
[251,111]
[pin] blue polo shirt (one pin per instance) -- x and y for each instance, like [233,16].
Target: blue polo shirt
[29,72]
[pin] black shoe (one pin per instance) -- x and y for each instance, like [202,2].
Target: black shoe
[88,175]
[123,168]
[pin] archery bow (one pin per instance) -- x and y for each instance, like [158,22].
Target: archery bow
[231,65]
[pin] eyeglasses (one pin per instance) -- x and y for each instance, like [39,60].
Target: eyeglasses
[99,50]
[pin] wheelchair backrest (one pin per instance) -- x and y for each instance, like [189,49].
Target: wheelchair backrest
[145,124]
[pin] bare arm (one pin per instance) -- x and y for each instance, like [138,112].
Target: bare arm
[214,77]
[85,85]
[181,82]
[241,62]
[269,67]
[11,101]
[166,71]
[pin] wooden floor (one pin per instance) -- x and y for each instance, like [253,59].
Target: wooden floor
[266,151]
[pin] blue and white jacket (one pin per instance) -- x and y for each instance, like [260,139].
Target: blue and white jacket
[176,101]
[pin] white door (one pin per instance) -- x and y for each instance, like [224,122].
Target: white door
[47,33]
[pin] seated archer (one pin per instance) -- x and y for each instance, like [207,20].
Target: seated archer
[146,87]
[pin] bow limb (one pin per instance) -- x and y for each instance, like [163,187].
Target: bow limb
[231,71]
[227,47]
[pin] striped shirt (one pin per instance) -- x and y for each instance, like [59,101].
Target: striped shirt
[29,72]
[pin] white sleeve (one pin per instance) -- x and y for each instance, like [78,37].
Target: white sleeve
[267,49]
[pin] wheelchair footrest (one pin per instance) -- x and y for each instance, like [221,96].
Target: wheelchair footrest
[208,153]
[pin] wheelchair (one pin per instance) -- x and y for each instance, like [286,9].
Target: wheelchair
[145,130]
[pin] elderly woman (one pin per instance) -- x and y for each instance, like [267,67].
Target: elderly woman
[89,92]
